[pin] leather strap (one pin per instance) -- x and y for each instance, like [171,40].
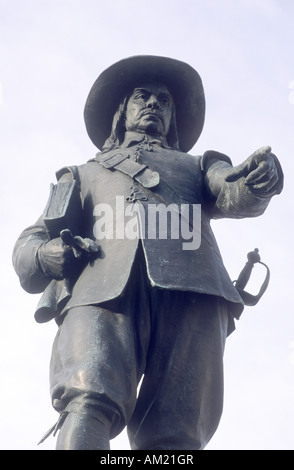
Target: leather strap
[137,171]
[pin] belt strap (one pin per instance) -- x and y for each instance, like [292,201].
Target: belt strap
[137,171]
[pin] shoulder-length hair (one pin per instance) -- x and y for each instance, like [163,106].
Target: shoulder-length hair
[118,129]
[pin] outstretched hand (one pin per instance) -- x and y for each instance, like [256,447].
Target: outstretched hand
[259,170]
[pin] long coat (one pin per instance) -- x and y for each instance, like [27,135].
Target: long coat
[182,177]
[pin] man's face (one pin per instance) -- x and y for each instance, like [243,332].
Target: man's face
[149,109]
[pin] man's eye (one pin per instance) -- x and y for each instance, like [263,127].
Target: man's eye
[144,96]
[165,100]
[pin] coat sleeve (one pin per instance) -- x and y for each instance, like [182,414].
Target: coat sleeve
[232,199]
[25,253]
[25,258]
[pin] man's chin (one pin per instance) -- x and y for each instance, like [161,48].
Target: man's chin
[153,127]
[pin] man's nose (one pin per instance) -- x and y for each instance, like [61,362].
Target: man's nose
[153,102]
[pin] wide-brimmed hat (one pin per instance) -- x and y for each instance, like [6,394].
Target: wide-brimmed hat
[183,82]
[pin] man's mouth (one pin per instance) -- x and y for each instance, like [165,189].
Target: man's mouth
[152,114]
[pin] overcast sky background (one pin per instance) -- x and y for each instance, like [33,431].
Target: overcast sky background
[51,52]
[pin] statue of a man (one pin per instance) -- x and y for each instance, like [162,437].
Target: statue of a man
[156,308]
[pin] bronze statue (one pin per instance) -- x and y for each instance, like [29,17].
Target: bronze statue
[133,300]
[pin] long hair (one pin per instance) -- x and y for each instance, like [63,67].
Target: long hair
[118,129]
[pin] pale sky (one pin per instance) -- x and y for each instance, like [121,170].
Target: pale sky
[51,52]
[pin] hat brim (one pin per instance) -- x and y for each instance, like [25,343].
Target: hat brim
[183,82]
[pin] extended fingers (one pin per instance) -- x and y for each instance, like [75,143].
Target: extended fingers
[264,177]
[265,170]
[262,151]
[252,164]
